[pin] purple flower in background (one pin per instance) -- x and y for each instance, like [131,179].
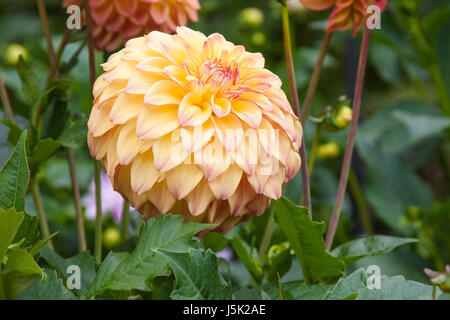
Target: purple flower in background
[112,201]
[226,254]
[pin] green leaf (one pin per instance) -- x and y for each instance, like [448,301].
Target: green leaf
[354,250]
[28,230]
[51,288]
[135,271]
[31,84]
[74,134]
[43,151]
[391,288]
[305,237]
[10,221]
[86,263]
[197,275]
[14,177]
[41,243]
[19,272]
[250,294]
[249,258]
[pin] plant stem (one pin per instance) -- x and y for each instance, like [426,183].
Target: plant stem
[315,77]
[296,104]
[125,220]
[92,76]
[314,149]
[98,215]
[76,195]
[46,26]
[5,101]
[265,242]
[363,210]
[350,139]
[43,225]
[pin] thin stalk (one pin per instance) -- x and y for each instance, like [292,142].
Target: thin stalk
[125,220]
[296,104]
[314,149]
[5,101]
[315,77]
[350,139]
[265,242]
[92,76]
[46,26]
[76,195]
[361,204]
[43,225]
[98,216]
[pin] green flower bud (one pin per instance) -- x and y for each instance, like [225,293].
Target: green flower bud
[253,17]
[328,150]
[13,52]
[258,38]
[111,237]
[343,117]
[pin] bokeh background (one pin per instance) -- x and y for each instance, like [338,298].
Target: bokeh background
[401,168]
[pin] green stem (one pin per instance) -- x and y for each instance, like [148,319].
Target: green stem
[314,148]
[363,209]
[295,104]
[440,88]
[265,242]
[98,216]
[125,220]
[345,171]
[43,224]
[76,196]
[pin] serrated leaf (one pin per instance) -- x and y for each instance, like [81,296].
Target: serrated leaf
[14,177]
[391,288]
[86,263]
[19,272]
[51,288]
[305,237]
[167,232]
[197,275]
[28,231]
[10,221]
[354,250]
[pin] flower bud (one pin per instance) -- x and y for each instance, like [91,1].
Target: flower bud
[13,53]
[253,17]
[258,38]
[111,237]
[328,150]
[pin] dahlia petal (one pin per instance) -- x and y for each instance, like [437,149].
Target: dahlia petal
[247,112]
[200,198]
[229,131]
[292,165]
[226,184]
[156,121]
[273,187]
[259,99]
[143,173]
[128,145]
[221,107]
[195,138]
[213,160]
[168,152]
[246,157]
[153,64]
[164,92]
[183,179]
[193,110]
[99,122]
[244,193]
[141,81]
[160,196]
[126,107]
[317,4]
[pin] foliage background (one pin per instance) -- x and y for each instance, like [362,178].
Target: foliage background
[402,159]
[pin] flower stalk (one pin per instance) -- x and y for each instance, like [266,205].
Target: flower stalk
[5,101]
[98,203]
[315,77]
[125,221]
[345,171]
[295,104]
[43,224]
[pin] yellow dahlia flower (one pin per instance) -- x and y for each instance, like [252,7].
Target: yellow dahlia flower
[193,125]
[116,21]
